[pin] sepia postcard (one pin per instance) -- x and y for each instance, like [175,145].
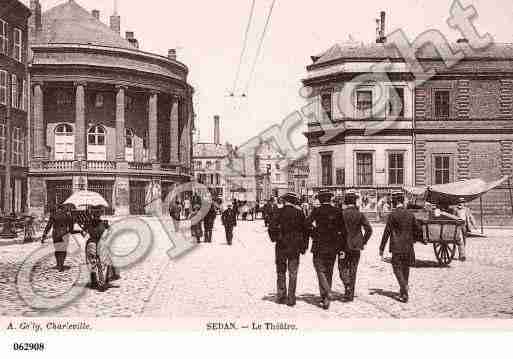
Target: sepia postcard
[255,166]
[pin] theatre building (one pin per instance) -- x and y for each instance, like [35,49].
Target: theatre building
[13,106]
[106,116]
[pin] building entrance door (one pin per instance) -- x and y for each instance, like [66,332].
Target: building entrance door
[137,198]
[58,192]
[104,188]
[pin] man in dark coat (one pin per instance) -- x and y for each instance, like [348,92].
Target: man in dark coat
[401,229]
[328,235]
[229,220]
[61,223]
[288,231]
[208,222]
[349,258]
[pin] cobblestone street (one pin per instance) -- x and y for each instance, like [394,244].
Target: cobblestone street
[218,281]
[126,298]
[228,282]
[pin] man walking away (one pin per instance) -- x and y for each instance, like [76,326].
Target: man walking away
[349,258]
[291,240]
[229,220]
[328,235]
[208,222]
[401,229]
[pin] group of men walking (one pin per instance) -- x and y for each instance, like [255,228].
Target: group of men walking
[336,234]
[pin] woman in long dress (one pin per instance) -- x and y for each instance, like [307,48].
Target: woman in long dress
[98,256]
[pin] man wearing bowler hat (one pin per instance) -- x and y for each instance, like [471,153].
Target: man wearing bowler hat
[328,231]
[349,257]
[401,229]
[291,241]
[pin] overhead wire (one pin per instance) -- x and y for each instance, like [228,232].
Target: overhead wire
[259,50]
[244,46]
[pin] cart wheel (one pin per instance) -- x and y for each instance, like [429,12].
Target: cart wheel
[444,252]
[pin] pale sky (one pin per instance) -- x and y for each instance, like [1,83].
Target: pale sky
[209,36]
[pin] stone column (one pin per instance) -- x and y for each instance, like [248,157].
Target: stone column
[36,196]
[120,124]
[174,131]
[39,124]
[80,125]
[190,122]
[154,198]
[37,185]
[185,133]
[152,126]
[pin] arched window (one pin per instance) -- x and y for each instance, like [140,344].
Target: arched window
[209,165]
[96,149]
[96,136]
[64,129]
[64,143]
[129,142]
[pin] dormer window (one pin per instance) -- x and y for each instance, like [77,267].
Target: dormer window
[364,103]
[326,104]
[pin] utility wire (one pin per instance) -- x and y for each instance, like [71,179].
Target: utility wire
[244,46]
[259,50]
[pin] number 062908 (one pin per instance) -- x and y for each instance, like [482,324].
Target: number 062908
[28,347]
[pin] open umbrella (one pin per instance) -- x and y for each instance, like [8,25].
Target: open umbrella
[86,199]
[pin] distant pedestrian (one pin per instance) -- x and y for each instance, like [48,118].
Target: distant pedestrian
[349,258]
[187,207]
[208,222]
[402,229]
[229,220]
[291,240]
[175,210]
[328,232]
[305,207]
[196,227]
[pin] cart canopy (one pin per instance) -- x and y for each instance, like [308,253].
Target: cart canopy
[451,193]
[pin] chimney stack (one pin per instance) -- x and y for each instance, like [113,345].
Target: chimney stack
[217,131]
[35,20]
[115,23]
[381,22]
[171,54]
[130,37]
[96,14]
